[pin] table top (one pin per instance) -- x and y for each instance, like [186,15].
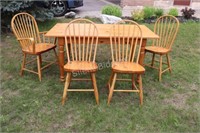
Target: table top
[103,31]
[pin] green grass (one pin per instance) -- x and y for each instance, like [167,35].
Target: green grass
[172,105]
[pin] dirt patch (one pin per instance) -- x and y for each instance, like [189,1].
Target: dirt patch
[8,94]
[6,76]
[68,122]
[194,87]
[56,123]
[177,100]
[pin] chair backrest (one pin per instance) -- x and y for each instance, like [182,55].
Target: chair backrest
[25,26]
[81,38]
[166,27]
[126,41]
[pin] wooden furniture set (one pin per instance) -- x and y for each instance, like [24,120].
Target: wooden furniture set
[127,40]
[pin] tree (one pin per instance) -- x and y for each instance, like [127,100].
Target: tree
[39,9]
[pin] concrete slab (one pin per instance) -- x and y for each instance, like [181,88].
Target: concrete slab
[92,8]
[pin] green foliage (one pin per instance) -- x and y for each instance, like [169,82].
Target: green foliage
[138,15]
[36,8]
[187,13]
[159,12]
[13,6]
[148,12]
[173,12]
[112,10]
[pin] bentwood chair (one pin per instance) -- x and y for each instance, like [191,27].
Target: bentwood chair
[32,42]
[126,41]
[81,37]
[166,27]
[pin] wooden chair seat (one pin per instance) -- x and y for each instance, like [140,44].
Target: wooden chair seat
[127,67]
[157,49]
[39,48]
[83,66]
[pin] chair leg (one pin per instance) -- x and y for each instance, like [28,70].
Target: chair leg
[112,88]
[56,56]
[55,40]
[140,88]
[160,68]
[23,65]
[39,67]
[133,81]
[40,60]
[95,88]
[110,80]
[153,58]
[67,82]
[168,63]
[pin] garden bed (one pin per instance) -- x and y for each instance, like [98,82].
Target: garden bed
[153,19]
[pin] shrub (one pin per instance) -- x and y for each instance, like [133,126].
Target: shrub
[138,15]
[112,10]
[10,8]
[148,12]
[187,13]
[173,12]
[159,12]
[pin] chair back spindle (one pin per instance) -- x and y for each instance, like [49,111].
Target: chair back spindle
[126,41]
[166,27]
[25,26]
[81,38]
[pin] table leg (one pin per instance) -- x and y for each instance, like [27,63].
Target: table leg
[61,43]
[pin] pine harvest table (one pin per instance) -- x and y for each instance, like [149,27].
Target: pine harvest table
[58,31]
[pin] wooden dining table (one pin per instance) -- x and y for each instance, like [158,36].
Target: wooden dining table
[104,30]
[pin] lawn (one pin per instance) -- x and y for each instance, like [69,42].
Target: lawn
[172,105]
